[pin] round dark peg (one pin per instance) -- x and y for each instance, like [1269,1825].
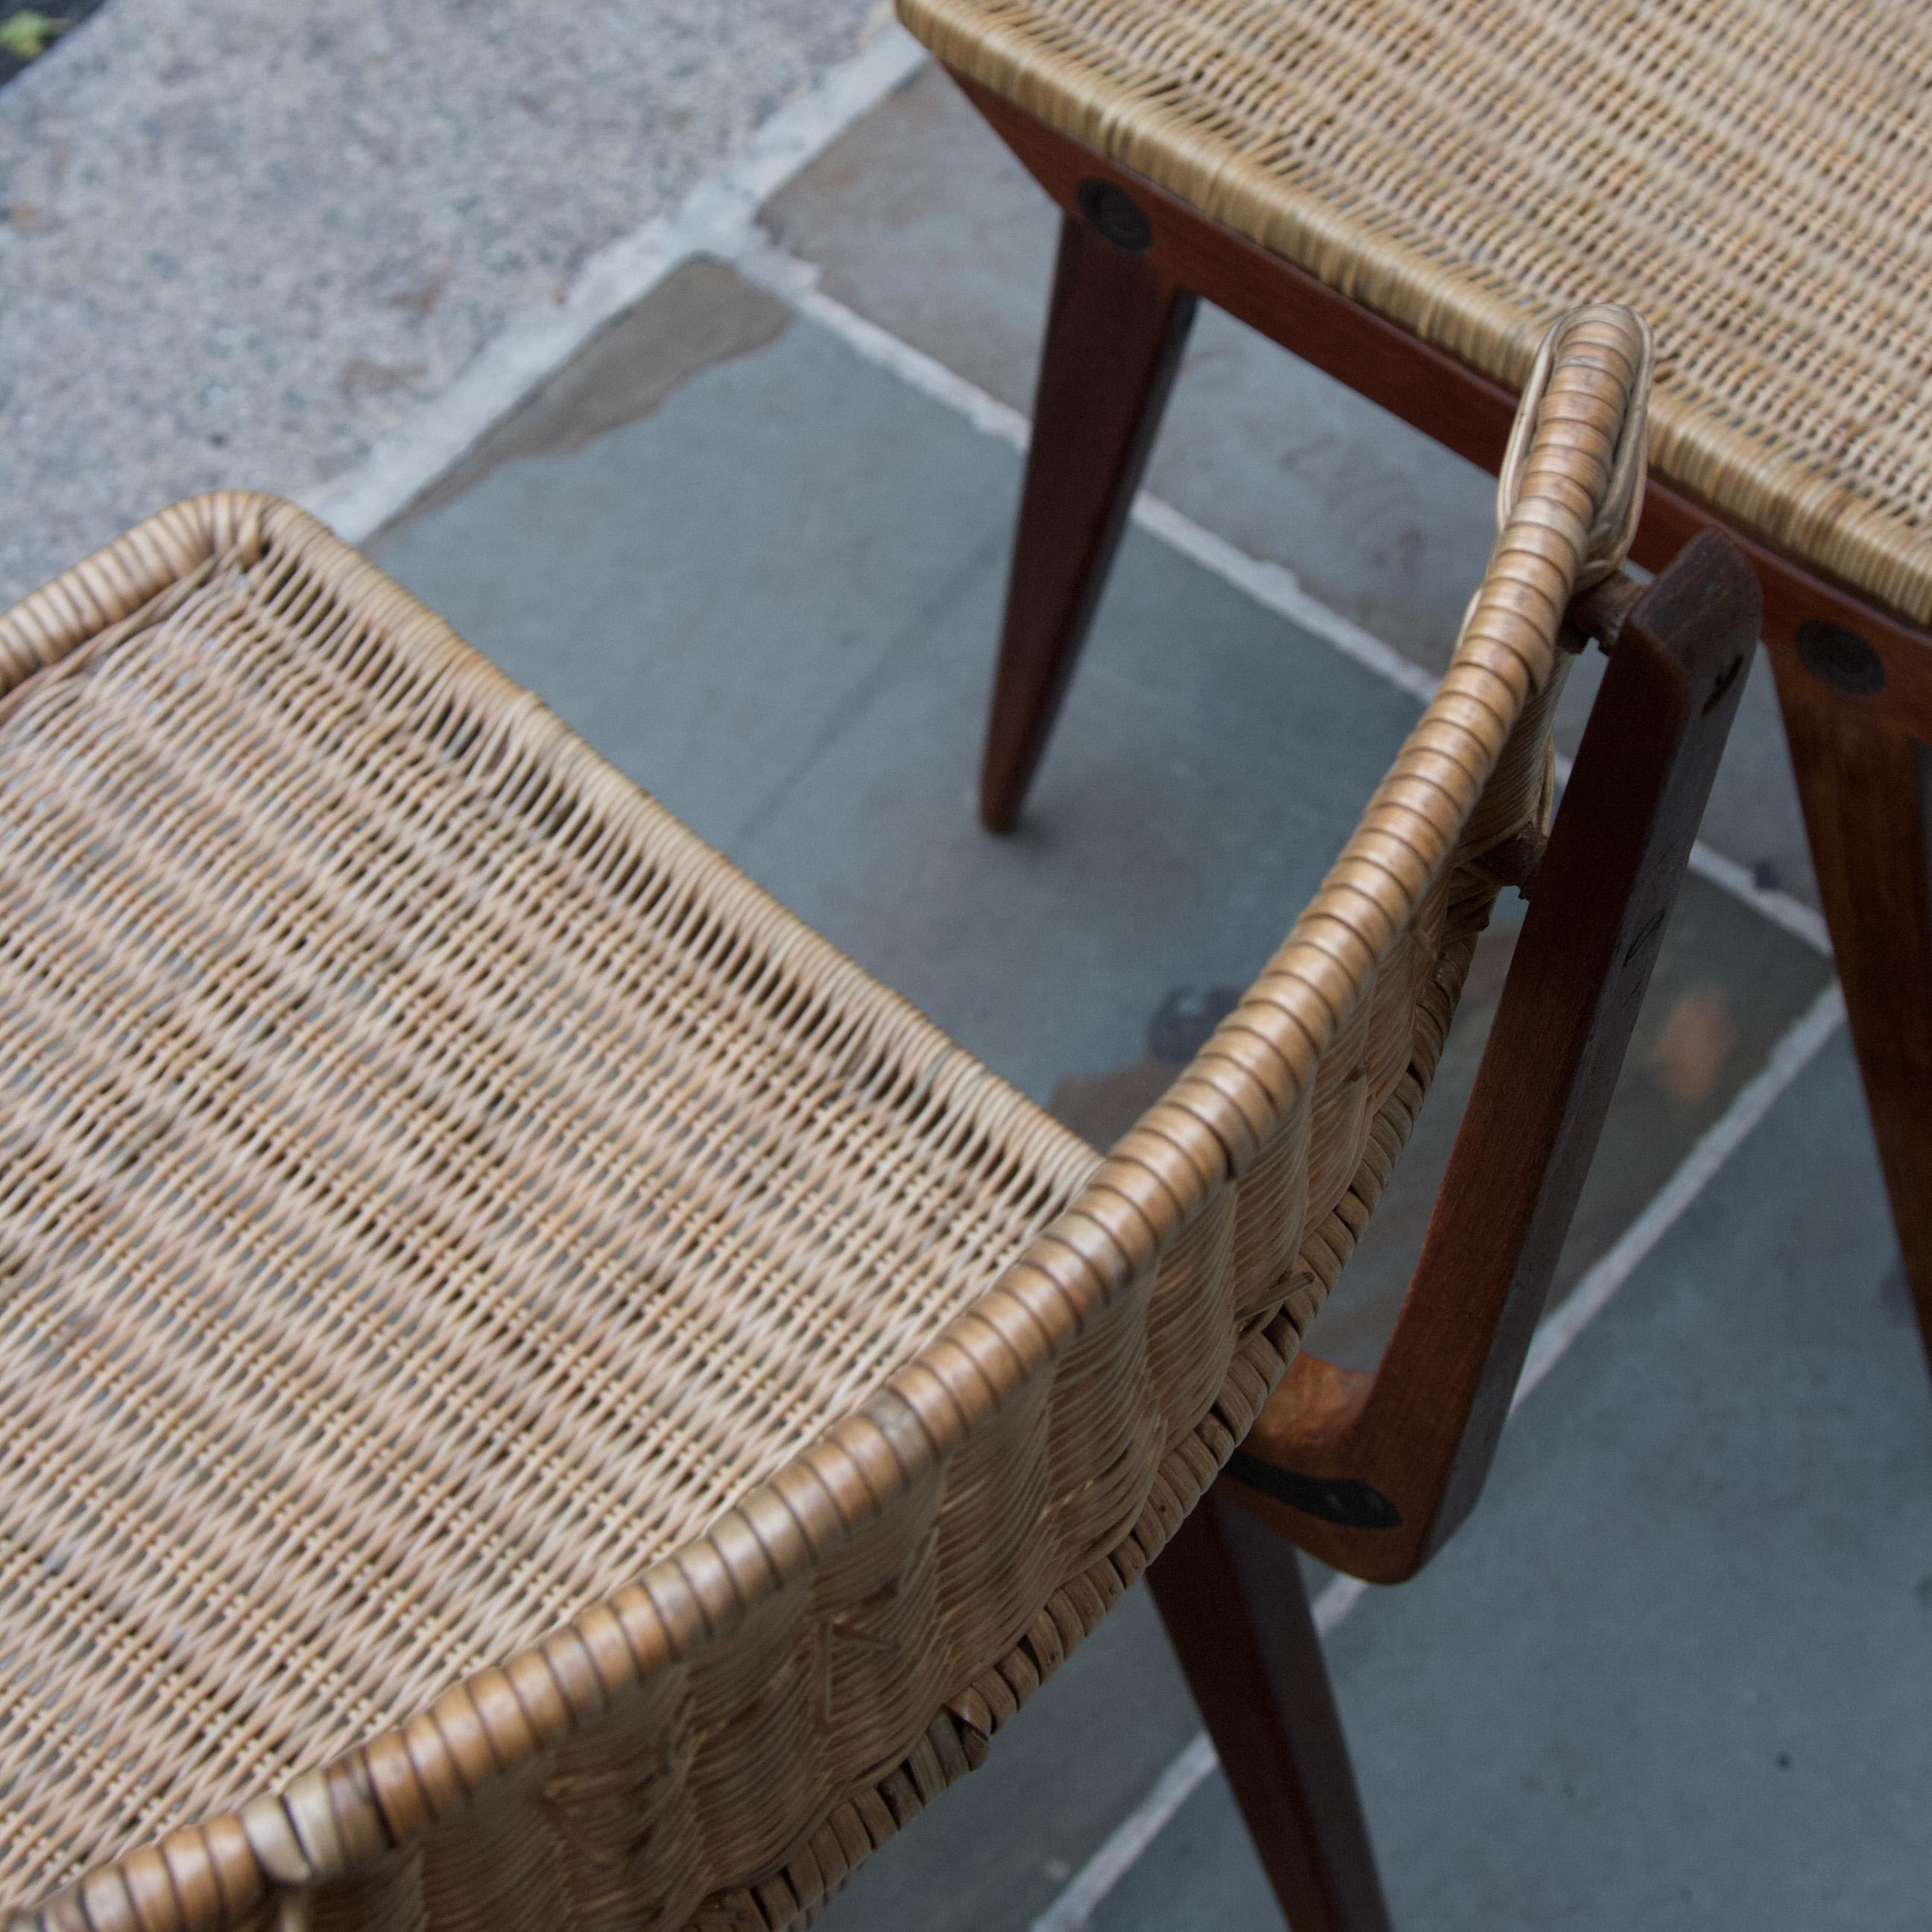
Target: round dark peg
[1840,658]
[1116,215]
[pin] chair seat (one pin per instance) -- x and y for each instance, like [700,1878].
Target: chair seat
[435,1186]
[532,1389]
[1751,177]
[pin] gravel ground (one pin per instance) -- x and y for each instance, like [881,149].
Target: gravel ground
[238,243]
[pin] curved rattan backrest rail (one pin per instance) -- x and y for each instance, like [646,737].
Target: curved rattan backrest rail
[718,1613]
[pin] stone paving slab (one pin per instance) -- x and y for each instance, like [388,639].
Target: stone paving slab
[1676,1671]
[925,223]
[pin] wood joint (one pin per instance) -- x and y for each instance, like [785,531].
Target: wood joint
[1600,612]
[1515,861]
[1373,1473]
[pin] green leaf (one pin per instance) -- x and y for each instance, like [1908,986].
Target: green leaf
[24,35]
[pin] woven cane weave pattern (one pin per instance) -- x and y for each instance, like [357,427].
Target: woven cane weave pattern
[345,1039]
[959,1738]
[533,1392]
[1750,177]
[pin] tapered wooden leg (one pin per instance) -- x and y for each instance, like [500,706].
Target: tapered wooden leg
[1863,781]
[1114,332]
[1231,1594]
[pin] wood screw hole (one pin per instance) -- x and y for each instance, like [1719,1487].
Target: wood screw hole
[1723,684]
[1116,216]
[1840,658]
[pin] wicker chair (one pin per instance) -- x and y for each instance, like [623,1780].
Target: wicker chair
[533,1392]
[1401,193]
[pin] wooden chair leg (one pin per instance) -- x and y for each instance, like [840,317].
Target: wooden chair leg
[1114,332]
[1231,1594]
[1863,782]
[1373,1473]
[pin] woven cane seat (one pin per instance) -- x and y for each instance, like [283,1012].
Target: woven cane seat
[1751,177]
[533,1392]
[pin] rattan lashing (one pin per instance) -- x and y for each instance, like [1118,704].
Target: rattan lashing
[532,1391]
[1750,177]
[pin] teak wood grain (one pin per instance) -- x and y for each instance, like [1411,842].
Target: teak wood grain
[1231,1597]
[1401,1455]
[1419,1433]
[1867,789]
[1859,775]
[1115,329]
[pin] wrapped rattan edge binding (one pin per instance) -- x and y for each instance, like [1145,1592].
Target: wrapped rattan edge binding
[1563,521]
[960,1736]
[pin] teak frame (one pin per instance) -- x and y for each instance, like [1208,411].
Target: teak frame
[1373,1473]
[1854,680]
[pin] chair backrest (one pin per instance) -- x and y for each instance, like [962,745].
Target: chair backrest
[988,1503]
